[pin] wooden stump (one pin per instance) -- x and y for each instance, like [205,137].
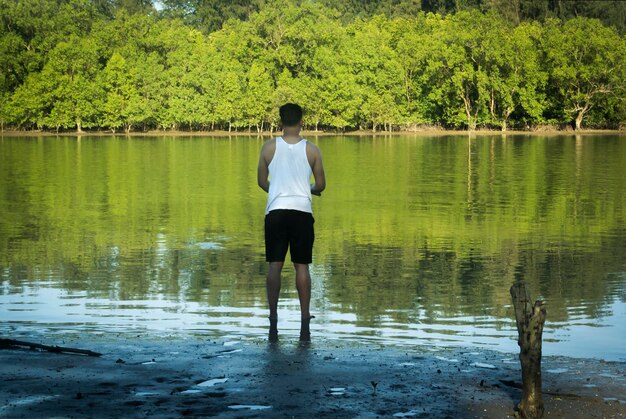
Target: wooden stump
[530,320]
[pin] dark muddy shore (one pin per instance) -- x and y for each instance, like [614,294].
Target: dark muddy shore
[178,377]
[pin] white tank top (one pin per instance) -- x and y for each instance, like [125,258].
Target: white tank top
[290,177]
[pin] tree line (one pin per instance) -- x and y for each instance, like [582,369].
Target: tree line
[388,65]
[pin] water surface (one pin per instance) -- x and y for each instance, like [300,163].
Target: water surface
[418,240]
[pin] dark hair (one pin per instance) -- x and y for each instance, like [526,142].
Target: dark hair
[290,114]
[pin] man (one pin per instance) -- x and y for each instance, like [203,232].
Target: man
[285,167]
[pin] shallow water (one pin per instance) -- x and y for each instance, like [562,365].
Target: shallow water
[418,240]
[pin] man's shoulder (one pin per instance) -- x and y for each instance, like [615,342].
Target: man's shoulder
[267,151]
[269,144]
[312,147]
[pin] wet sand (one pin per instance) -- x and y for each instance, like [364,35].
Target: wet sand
[139,376]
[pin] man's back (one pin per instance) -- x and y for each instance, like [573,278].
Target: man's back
[290,174]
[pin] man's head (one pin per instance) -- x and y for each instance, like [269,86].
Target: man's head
[290,114]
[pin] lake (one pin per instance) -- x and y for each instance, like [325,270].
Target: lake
[418,240]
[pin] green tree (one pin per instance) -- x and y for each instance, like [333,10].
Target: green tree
[139,40]
[72,67]
[116,79]
[65,94]
[377,71]
[30,102]
[287,36]
[412,41]
[514,76]
[229,94]
[293,43]
[351,10]
[29,29]
[342,98]
[146,107]
[455,77]
[510,10]
[210,15]
[183,49]
[610,12]
[526,74]
[585,61]
[134,6]
[257,102]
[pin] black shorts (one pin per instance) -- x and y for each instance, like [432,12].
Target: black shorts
[289,229]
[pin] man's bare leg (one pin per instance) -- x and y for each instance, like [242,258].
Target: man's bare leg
[305,330]
[303,285]
[272,285]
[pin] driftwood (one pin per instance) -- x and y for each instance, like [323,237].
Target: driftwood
[57,349]
[530,320]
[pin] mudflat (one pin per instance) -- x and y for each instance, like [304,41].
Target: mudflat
[170,377]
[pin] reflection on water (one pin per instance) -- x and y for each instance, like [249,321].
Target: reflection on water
[418,239]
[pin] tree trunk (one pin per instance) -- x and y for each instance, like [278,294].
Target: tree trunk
[579,119]
[505,119]
[471,122]
[79,126]
[530,320]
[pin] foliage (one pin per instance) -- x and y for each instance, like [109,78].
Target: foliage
[385,65]
[585,61]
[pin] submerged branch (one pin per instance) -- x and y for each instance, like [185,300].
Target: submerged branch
[57,349]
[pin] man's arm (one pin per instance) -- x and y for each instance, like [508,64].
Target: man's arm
[267,153]
[315,160]
[263,171]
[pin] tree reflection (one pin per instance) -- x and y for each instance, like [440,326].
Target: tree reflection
[411,229]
